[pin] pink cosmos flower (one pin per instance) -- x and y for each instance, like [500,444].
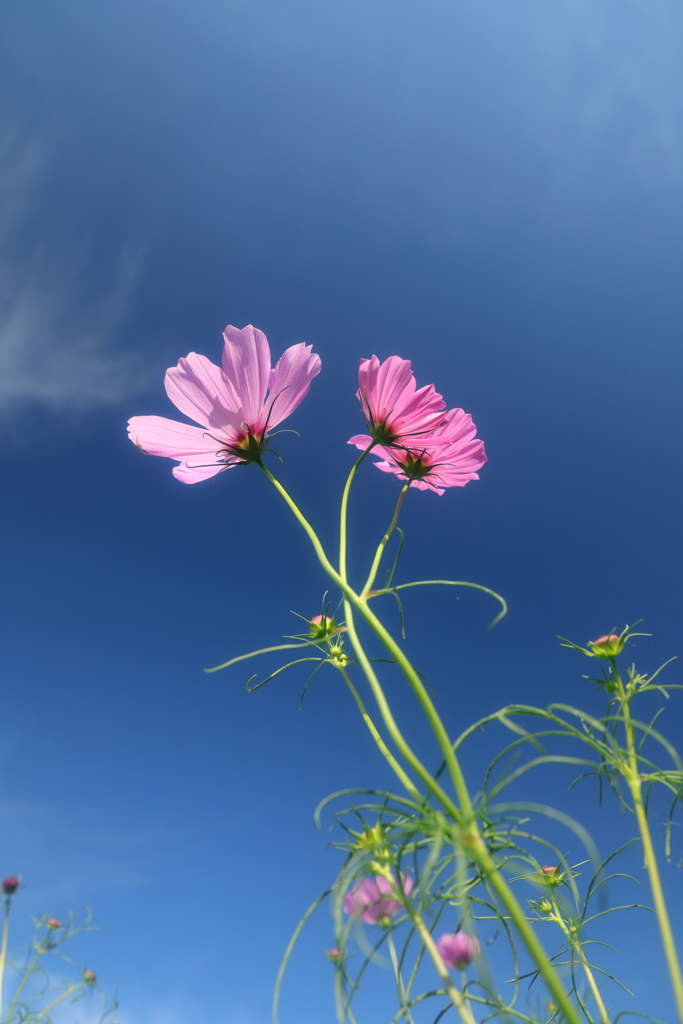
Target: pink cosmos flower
[396,412]
[369,897]
[449,457]
[458,950]
[236,406]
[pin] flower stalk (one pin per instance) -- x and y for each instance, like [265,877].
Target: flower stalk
[463,813]
[624,694]
[3,950]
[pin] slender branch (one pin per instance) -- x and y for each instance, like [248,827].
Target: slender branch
[456,997]
[67,992]
[481,855]
[470,837]
[343,531]
[383,543]
[400,987]
[425,702]
[404,778]
[634,782]
[450,583]
[575,944]
[312,535]
[3,948]
[390,722]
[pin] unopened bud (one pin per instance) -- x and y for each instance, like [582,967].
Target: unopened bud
[544,906]
[322,627]
[53,923]
[334,955]
[10,885]
[607,646]
[551,874]
[89,977]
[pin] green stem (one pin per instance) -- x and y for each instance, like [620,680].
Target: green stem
[389,720]
[54,1002]
[343,532]
[456,997]
[352,599]
[405,779]
[481,856]
[360,603]
[425,702]
[312,535]
[382,544]
[3,949]
[402,998]
[27,974]
[634,782]
[470,836]
[578,949]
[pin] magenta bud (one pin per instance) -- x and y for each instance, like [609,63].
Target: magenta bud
[89,977]
[551,875]
[607,646]
[322,627]
[10,885]
[458,950]
[53,923]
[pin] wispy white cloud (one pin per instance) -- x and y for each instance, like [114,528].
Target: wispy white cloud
[57,325]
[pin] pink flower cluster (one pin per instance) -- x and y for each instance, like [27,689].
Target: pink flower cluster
[418,438]
[237,406]
[371,899]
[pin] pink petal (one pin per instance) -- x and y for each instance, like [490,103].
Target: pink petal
[384,385]
[389,399]
[190,474]
[199,389]
[361,441]
[290,382]
[158,436]
[246,364]
[191,446]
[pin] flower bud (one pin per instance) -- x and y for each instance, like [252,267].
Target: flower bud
[457,950]
[607,646]
[322,626]
[10,885]
[89,977]
[334,955]
[53,923]
[551,874]
[544,906]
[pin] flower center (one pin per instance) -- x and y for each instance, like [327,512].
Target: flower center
[415,466]
[383,432]
[246,447]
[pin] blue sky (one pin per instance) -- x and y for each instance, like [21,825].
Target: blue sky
[492,190]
